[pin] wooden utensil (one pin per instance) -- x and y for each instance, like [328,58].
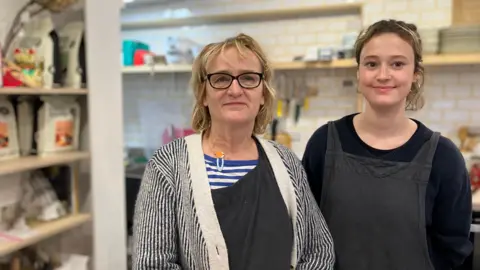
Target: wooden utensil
[289,95]
[281,83]
[301,97]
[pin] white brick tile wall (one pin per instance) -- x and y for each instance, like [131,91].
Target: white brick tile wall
[458,90]
[447,4]
[452,93]
[397,6]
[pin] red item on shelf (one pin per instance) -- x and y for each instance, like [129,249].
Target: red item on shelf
[475,177]
[139,57]
[10,81]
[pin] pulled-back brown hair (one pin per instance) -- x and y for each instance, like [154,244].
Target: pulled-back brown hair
[409,33]
[201,119]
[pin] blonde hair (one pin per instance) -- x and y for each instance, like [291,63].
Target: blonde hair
[201,119]
[409,33]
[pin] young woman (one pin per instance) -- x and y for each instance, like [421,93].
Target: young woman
[395,194]
[225,198]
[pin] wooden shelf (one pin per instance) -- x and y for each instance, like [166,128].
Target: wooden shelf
[36,162]
[347,63]
[43,231]
[451,59]
[157,69]
[251,16]
[429,60]
[37,91]
[341,63]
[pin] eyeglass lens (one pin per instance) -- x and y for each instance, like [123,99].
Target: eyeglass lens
[223,81]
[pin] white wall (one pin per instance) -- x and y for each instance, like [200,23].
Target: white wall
[103,45]
[453,94]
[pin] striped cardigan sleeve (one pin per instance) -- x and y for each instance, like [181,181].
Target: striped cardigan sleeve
[154,228]
[318,252]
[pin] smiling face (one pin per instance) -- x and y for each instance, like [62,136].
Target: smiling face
[238,103]
[386,70]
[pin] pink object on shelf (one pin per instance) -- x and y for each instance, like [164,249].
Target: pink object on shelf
[171,133]
[188,131]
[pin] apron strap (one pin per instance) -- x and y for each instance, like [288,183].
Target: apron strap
[427,152]
[433,147]
[333,140]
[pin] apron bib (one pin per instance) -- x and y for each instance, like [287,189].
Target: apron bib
[254,220]
[375,209]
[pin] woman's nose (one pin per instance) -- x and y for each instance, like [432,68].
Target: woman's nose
[235,89]
[384,73]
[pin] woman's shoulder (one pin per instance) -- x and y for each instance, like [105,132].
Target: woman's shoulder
[289,158]
[447,153]
[448,157]
[168,154]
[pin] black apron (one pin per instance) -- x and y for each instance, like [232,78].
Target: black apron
[375,209]
[254,220]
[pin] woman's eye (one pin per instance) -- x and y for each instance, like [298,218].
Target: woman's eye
[222,79]
[398,64]
[370,64]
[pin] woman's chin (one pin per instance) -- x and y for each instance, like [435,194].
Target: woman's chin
[385,102]
[237,120]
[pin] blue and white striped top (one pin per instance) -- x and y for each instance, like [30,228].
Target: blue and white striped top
[233,170]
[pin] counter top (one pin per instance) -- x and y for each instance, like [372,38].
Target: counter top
[135,171]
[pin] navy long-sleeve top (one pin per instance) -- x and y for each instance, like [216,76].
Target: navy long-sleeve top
[448,199]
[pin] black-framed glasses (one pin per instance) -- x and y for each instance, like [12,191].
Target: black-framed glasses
[222,81]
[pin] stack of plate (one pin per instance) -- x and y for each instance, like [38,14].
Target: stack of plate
[464,39]
[430,40]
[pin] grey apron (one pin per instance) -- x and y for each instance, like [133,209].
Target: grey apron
[254,220]
[375,209]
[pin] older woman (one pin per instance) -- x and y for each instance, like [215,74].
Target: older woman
[225,198]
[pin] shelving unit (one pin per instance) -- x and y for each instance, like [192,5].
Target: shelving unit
[34,91]
[43,231]
[83,178]
[36,162]
[16,240]
[429,60]
[257,15]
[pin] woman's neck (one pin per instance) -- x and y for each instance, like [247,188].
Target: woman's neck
[384,123]
[230,142]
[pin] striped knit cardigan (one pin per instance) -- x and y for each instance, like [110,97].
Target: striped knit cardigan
[175,224]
